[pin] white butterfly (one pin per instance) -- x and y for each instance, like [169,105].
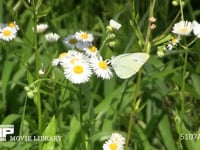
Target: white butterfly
[126,65]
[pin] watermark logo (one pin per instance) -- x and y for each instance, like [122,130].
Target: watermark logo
[6,130]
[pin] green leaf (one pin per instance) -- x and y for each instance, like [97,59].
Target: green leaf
[50,131]
[10,119]
[166,133]
[143,138]
[7,70]
[73,133]
[196,83]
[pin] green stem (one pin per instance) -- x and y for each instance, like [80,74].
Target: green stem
[182,97]
[131,119]
[81,121]
[147,48]
[23,115]
[37,62]
[103,43]
[22,122]
[181,9]
[1,11]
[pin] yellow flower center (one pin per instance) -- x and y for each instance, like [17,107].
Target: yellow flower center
[103,65]
[78,69]
[7,32]
[184,30]
[113,146]
[11,24]
[92,49]
[73,41]
[84,35]
[62,55]
[73,60]
[174,40]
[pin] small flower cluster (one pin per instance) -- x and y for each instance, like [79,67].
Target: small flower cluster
[115,142]
[180,29]
[50,37]
[83,59]
[8,31]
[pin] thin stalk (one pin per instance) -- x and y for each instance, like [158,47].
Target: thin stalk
[103,43]
[181,9]
[131,119]
[182,97]
[81,121]
[22,122]
[36,51]
[1,11]
[147,48]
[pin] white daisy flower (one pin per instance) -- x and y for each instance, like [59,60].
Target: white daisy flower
[72,58]
[8,33]
[2,25]
[116,142]
[118,138]
[183,28]
[13,25]
[101,68]
[173,42]
[72,42]
[90,50]
[56,61]
[84,36]
[42,27]
[52,37]
[78,73]
[196,28]
[114,24]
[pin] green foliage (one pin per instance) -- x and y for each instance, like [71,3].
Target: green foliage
[161,101]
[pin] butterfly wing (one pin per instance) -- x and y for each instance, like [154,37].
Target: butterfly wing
[126,65]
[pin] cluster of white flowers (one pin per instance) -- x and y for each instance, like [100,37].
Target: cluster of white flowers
[184,28]
[180,29]
[115,142]
[83,59]
[8,31]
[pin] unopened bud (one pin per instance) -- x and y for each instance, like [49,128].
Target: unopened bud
[153,26]
[152,19]
[30,94]
[109,29]
[111,36]
[112,43]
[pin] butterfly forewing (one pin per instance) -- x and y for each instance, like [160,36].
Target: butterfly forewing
[126,65]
